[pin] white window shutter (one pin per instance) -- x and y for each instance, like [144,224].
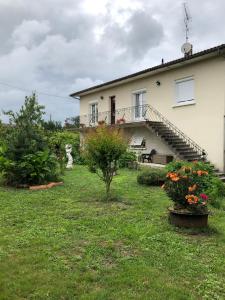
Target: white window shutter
[185,90]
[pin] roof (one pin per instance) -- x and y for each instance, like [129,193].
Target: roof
[189,59]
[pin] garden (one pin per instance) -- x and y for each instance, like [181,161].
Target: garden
[106,232]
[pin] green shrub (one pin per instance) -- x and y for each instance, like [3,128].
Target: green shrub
[104,146]
[216,192]
[31,169]
[126,158]
[197,165]
[187,184]
[25,157]
[152,177]
[213,186]
[57,142]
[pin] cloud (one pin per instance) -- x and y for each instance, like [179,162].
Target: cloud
[60,46]
[30,32]
[140,33]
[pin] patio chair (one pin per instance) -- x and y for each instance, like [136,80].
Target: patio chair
[148,156]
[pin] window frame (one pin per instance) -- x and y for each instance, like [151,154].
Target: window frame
[93,118]
[141,110]
[180,102]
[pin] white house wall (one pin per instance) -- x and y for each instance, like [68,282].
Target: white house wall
[203,122]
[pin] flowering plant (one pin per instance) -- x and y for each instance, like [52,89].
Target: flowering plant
[186,186]
[120,121]
[101,122]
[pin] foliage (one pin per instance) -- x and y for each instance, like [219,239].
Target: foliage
[216,192]
[126,158]
[104,146]
[152,177]
[52,125]
[215,188]
[57,143]
[73,122]
[187,184]
[26,143]
[64,243]
[197,165]
[32,168]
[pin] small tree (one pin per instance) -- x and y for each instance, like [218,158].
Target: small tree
[26,157]
[103,148]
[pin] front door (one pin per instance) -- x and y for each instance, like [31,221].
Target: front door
[113,109]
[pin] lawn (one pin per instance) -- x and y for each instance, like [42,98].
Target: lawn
[66,243]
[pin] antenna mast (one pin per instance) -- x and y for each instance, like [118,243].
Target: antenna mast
[187,19]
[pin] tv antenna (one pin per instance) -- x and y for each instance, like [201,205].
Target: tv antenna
[187,19]
[187,47]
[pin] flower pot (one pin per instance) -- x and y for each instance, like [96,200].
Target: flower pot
[188,219]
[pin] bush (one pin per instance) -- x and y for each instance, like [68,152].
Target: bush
[57,142]
[216,192]
[25,157]
[152,177]
[104,146]
[214,187]
[197,165]
[187,183]
[126,158]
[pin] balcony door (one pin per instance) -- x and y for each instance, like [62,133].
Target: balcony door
[93,113]
[113,109]
[139,105]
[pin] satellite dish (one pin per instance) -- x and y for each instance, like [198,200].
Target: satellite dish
[186,48]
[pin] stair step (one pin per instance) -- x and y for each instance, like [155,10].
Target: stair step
[188,153]
[167,135]
[220,174]
[222,178]
[173,139]
[192,156]
[181,149]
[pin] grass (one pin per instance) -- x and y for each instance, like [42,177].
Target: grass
[66,243]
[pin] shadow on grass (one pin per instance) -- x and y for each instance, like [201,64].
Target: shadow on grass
[197,232]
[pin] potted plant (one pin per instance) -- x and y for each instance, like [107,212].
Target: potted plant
[101,122]
[186,188]
[120,121]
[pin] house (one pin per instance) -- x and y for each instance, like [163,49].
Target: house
[176,108]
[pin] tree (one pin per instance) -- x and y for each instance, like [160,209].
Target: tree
[103,148]
[26,158]
[51,125]
[73,122]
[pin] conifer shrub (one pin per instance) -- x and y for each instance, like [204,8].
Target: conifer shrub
[26,157]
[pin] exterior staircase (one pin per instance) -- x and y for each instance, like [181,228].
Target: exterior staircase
[174,141]
[183,146]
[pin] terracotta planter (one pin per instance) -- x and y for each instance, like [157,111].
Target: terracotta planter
[182,218]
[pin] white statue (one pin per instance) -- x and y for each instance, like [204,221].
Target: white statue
[68,148]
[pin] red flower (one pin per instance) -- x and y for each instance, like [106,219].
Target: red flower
[204,196]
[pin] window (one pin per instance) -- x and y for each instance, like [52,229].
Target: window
[139,105]
[93,113]
[184,90]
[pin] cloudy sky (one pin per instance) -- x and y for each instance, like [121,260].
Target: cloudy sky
[57,47]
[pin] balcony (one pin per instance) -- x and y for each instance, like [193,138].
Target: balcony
[124,116]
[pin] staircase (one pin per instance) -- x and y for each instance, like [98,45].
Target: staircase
[177,143]
[182,145]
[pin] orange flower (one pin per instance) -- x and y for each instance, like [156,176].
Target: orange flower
[173,176]
[200,173]
[192,188]
[192,199]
